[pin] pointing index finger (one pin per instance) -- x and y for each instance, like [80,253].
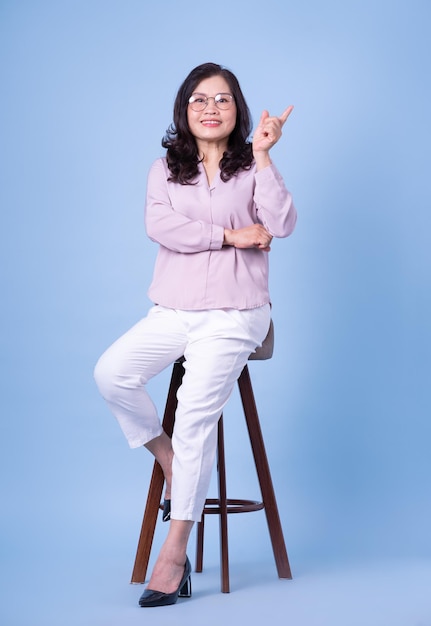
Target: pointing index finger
[283,117]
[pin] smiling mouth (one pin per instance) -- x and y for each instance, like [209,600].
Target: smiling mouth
[210,123]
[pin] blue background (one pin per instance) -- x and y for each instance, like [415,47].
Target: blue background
[87,93]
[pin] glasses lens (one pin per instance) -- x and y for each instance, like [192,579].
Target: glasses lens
[197,102]
[223,100]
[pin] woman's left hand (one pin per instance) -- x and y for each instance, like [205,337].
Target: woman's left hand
[268,131]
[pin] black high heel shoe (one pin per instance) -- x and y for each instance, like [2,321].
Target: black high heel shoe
[166,516]
[158,598]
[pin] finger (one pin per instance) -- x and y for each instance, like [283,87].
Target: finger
[283,117]
[263,117]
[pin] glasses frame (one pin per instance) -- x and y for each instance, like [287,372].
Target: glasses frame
[202,106]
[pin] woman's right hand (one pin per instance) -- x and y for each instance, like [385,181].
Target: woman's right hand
[254,236]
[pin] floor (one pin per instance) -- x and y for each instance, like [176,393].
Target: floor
[82,588]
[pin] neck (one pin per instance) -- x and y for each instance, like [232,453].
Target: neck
[211,153]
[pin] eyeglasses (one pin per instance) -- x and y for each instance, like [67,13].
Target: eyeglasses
[199,101]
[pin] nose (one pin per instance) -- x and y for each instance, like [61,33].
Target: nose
[211,106]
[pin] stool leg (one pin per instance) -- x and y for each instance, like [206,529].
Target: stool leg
[264,475]
[222,504]
[148,525]
[224,550]
[156,485]
[200,544]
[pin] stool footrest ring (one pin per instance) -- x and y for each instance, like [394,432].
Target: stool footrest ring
[212,506]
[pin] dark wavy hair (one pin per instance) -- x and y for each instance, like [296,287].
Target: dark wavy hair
[182,153]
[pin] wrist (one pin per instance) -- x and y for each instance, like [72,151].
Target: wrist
[228,237]
[262,159]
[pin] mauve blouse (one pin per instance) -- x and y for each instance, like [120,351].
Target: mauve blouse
[193,269]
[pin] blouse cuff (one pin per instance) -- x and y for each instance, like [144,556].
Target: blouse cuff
[217,237]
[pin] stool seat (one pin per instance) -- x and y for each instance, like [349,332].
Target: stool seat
[266,350]
[222,506]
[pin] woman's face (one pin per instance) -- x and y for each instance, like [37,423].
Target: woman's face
[212,124]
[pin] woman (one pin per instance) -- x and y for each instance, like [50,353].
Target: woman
[213,206]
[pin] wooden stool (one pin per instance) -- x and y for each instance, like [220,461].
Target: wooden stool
[221,506]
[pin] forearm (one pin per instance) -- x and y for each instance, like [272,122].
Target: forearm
[262,160]
[274,203]
[175,232]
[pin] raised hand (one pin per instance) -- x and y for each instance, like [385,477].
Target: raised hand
[268,131]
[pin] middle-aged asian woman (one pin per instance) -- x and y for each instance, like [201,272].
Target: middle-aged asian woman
[214,203]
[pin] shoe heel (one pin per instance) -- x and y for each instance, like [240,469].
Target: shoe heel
[186,589]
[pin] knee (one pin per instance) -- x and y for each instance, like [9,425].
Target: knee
[104,375]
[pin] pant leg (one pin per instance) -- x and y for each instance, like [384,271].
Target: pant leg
[124,369]
[219,344]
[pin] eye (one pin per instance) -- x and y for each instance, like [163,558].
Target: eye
[198,98]
[223,98]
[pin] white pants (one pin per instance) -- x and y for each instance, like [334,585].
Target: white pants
[216,345]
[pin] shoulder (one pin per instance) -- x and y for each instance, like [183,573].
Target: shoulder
[158,171]
[159,164]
